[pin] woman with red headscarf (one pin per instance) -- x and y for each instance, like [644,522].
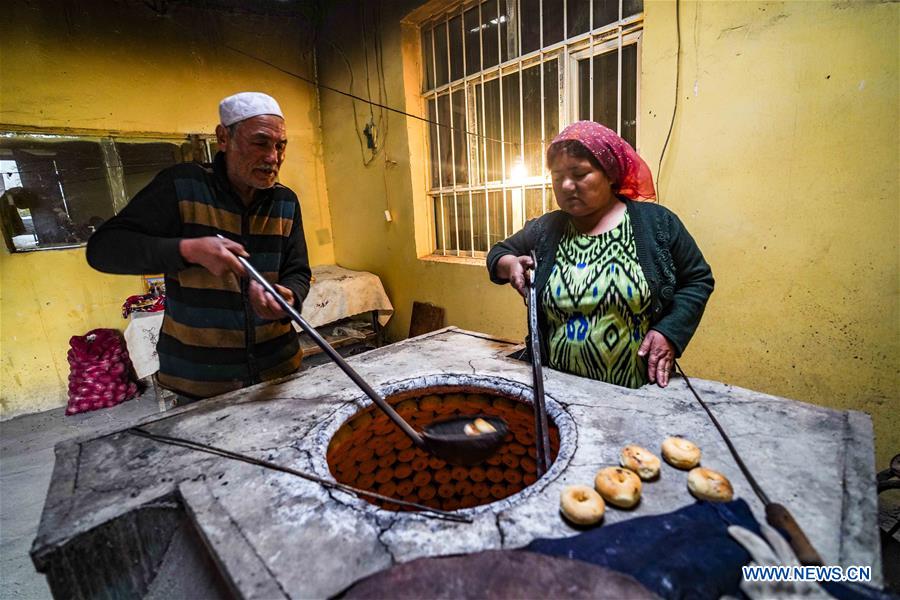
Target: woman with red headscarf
[621,283]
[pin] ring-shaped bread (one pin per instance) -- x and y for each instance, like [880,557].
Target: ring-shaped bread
[681,453]
[581,505]
[620,487]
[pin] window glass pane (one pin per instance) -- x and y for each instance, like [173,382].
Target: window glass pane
[551,101]
[440,55]
[473,40]
[479,217]
[433,141]
[509,45]
[490,43]
[464,222]
[428,54]
[439,224]
[449,219]
[632,7]
[141,161]
[531,104]
[511,125]
[553,21]
[515,210]
[460,149]
[445,148]
[490,128]
[605,12]
[497,219]
[534,203]
[518,198]
[578,17]
[605,101]
[605,82]
[456,48]
[531,25]
[54,193]
[629,94]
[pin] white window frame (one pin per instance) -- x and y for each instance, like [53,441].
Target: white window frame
[567,52]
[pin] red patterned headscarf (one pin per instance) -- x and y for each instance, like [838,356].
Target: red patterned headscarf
[620,162]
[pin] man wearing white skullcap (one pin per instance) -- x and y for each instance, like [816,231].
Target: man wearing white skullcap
[221,331]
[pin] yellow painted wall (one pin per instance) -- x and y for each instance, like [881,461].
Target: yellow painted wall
[118,66]
[782,163]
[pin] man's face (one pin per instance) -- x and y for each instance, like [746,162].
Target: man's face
[254,151]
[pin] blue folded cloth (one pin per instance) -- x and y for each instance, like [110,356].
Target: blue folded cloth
[683,554]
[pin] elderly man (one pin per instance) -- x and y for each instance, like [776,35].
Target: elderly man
[221,331]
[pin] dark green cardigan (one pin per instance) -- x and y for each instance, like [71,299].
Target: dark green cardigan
[680,280]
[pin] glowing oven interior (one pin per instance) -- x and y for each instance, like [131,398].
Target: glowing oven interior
[371,453]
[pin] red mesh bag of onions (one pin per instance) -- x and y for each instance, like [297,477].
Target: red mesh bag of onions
[100,372]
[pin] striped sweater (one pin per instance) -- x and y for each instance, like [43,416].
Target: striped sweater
[211,340]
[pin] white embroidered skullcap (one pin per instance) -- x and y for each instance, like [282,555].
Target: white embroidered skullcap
[245,105]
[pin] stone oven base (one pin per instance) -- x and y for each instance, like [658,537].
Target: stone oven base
[270,534]
[151,552]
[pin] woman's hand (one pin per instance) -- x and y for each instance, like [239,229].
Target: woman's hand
[513,268]
[265,305]
[660,357]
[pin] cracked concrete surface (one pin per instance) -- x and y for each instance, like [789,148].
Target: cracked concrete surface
[274,534]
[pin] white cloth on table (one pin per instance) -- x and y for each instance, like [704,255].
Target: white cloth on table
[335,293]
[141,336]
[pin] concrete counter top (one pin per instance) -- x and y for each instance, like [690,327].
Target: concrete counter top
[157,508]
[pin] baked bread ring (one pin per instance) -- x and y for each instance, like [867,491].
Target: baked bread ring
[430,402]
[618,486]
[494,474]
[640,460]
[681,453]
[481,490]
[581,505]
[707,484]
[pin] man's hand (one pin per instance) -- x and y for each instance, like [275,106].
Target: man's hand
[514,269]
[265,305]
[660,357]
[215,254]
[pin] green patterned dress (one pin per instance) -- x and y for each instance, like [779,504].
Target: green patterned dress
[597,306]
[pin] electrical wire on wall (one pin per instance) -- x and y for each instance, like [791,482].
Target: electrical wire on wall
[329,88]
[662,153]
[371,129]
[382,83]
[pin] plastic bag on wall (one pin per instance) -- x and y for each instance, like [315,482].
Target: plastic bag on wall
[100,372]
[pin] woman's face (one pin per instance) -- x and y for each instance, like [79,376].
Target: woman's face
[580,188]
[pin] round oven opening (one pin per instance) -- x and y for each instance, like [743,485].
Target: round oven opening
[370,452]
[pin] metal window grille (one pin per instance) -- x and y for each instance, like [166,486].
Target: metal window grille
[500,79]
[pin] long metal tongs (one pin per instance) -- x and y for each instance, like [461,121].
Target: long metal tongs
[445,438]
[541,426]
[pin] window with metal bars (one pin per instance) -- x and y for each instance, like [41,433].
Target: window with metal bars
[500,79]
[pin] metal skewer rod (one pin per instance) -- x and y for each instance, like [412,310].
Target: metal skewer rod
[777,515]
[541,425]
[333,354]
